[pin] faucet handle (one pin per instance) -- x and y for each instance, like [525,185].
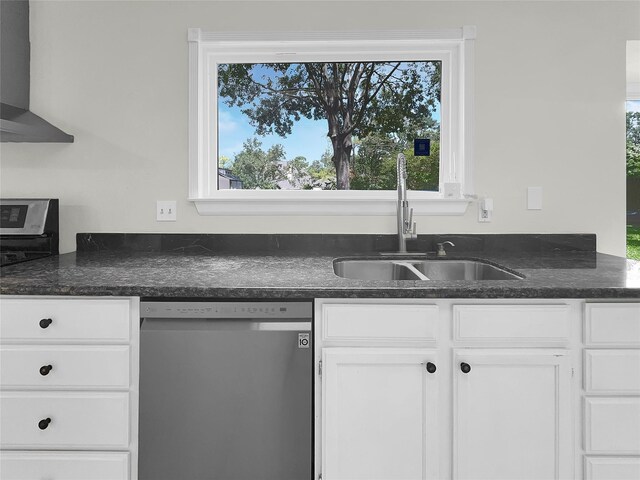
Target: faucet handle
[410,228]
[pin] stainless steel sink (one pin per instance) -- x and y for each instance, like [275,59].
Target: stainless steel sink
[412,269]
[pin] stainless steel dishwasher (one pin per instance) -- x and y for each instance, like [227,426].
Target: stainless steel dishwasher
[226,391]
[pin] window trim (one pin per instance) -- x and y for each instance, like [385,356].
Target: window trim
[455,45]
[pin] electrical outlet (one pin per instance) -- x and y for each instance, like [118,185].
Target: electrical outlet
[485,210]
[166,210]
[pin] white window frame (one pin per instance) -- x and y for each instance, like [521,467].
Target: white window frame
[454,47]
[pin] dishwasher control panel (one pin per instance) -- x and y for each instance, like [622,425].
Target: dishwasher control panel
[226,309]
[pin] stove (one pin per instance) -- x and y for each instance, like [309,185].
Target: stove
[28,229]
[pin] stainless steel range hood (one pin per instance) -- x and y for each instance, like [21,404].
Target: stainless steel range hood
[17,123]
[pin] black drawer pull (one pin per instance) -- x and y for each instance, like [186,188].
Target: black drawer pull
[45,322]
[45,369]
[43,424]
[465,367]
[431,367]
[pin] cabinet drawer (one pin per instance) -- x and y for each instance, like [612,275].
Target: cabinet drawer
[63,465]
[612,425]
[41,366]
[611,468]
[612,324]
[73,320]
[78,420]
[380,323]
[506,323]
[616,371]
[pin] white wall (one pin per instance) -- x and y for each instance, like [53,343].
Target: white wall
[550,91]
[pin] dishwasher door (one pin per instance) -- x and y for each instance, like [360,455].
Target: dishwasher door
[226,399]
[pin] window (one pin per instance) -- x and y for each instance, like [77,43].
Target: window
[312,123]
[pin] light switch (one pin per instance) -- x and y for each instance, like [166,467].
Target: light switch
[166,211]
[534,198]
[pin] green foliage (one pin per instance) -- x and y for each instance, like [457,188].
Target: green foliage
[633,144]
[224,161]
[374,165]
[633,159]
[633,127]
[257,168]
[323,173]
[423,173]
[633,242]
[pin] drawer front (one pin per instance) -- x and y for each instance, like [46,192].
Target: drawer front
[78,420]
[612,324]
[380,323]
[506,323]
[611,468]
[64,466]
[42,366]
[72,320]
[612,425]
[612,371]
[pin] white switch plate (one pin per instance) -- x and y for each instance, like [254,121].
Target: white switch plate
[534,198]
[166,210]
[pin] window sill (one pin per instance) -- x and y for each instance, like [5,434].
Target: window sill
[306,203]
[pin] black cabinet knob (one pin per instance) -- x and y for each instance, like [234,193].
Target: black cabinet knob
[45,322]
[45,369]
[465,367]
[431,367]
[43,424]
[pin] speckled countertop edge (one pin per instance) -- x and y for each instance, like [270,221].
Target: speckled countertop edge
[154,275]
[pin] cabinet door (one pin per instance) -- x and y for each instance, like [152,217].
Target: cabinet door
[512,415]
[379,418]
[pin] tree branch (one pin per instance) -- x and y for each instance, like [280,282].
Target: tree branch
[368,98]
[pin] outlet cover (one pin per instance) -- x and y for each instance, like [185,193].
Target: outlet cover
[534,198]
[166,211]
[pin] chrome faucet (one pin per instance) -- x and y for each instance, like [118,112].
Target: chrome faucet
[406,225]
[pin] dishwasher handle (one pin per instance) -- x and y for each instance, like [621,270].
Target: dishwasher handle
[207,324]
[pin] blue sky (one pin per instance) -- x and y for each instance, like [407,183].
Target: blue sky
[308,137]
[633,105]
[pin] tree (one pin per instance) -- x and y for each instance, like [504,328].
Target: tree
[322,173]
[224,161]
[374,164]
[633,144]
[257,168]
[356,99]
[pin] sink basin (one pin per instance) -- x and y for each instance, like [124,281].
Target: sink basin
[412,269]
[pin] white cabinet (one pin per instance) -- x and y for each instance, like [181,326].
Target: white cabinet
[611,400]
[512,414]
[507,413]
[381,414]
[69,388]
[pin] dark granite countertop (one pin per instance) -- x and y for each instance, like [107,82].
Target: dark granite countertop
[183,273]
